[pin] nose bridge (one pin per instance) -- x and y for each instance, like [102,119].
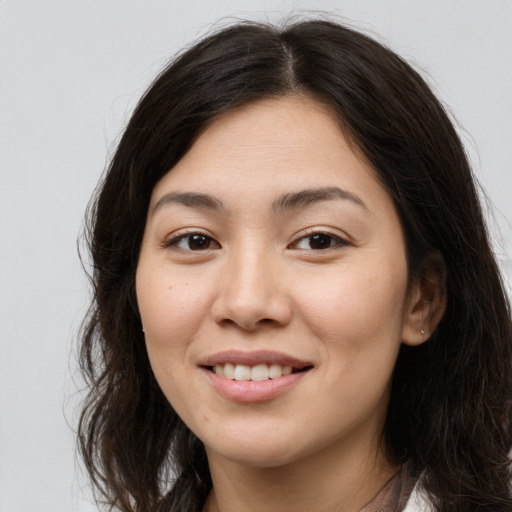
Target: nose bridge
[252,272]
[252,291]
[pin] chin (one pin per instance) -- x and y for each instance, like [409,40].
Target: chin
[247,454]
[265,448]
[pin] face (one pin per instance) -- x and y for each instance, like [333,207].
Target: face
[272,286]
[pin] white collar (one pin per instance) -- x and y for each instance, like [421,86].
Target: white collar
[418,502]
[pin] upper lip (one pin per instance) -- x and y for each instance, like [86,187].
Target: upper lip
[254,358]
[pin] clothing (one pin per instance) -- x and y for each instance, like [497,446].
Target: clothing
[418,502]
[400,494]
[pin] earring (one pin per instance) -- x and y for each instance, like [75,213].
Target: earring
[421,331]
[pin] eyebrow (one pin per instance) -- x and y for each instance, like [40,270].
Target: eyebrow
[286,202]
[192,199]
[295,200]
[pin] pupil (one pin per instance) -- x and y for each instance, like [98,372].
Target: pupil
[320,241]
[198,242]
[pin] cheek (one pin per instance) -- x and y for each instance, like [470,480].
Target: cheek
[172,308]
[359,308]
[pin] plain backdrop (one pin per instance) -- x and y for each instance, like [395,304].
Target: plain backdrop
[70,73]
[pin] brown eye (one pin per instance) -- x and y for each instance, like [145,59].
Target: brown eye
[198,242]
[319,241]
[193,242]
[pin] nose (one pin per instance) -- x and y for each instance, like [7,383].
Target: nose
[252,294]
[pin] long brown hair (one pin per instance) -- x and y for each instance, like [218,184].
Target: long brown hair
[449,411]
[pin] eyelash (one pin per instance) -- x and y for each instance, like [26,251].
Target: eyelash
[322,238]
[173,242]
[338,241]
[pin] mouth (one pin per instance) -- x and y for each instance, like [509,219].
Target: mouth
[250,377]
[258,373]
[256,366]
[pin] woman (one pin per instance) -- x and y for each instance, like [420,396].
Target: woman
[296,304]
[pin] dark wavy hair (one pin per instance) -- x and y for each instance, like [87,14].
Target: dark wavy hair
[449,411]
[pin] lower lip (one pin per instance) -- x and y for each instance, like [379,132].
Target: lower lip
[253,391]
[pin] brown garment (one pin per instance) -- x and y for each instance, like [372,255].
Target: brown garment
[394,495]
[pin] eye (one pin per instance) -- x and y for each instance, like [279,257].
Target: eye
[193,242]
[318,241]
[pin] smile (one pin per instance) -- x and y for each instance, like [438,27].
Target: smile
[259,372]
[254,376]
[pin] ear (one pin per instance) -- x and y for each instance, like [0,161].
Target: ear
[426,302]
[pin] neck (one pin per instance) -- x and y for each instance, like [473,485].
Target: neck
[341,478]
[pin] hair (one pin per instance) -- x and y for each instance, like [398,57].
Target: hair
[449,410]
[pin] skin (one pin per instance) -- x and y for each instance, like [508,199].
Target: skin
[259,283]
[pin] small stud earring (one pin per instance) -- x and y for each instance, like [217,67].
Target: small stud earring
[421,331]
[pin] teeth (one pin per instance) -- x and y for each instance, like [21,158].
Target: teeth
[242,372]
[228,371]
[259,372]
[275,371]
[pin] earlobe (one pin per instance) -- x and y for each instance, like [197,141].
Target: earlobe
[427,301]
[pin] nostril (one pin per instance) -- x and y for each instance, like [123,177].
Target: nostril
[266,321]
[247,324]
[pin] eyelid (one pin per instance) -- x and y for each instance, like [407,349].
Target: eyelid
[342,239]
[174,238]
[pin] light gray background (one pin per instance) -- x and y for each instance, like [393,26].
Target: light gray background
[70,73]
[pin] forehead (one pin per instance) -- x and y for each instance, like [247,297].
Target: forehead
[293,120]
[270,147]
